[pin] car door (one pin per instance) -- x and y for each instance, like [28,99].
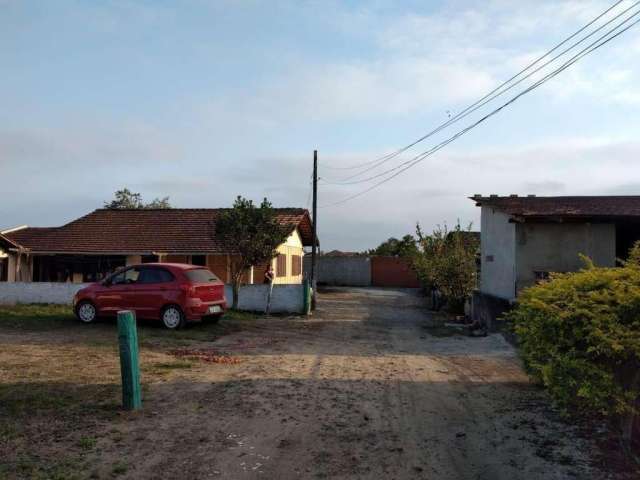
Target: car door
[115,294]
[151,291]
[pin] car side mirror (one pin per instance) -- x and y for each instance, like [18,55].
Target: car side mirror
[106,283]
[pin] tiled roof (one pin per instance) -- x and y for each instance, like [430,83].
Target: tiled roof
[6,242]
[588,207]
[175,230]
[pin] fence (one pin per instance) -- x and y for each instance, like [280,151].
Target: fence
[285,298]
[363,271]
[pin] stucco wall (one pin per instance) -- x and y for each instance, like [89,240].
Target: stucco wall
[38,292]
[497,246]
[550,247]
[285,299]
[341,271]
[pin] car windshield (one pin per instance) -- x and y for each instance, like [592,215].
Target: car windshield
[200,275]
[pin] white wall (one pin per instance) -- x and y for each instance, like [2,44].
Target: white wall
[549,247]
[253,298]
[497,245]
[285,299]
[342,271]
[38,292]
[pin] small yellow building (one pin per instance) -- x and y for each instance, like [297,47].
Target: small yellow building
[91,247]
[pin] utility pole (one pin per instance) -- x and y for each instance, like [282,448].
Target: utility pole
[314,266]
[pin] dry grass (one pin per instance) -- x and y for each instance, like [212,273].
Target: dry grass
[60,383]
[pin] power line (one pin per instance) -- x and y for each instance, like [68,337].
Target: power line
[485,99]
[410,163]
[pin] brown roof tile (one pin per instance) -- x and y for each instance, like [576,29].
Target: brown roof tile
[175,230]
[588,207]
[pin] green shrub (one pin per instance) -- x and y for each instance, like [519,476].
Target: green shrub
[579,335]
[446,259]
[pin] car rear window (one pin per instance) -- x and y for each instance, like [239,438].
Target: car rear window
[199,275]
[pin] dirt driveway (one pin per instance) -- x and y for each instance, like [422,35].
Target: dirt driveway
[363,389]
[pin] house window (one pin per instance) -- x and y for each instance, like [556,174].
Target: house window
[281,265]
[540,275]
[200,260]
[296,265]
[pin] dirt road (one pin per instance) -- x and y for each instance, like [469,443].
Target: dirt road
[362,390]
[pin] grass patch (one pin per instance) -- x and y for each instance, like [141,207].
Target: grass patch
[87,443]
[36,316]
[119,468]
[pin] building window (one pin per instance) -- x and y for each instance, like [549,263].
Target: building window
[281,265]
[200,260]
[296,265]
[540,276]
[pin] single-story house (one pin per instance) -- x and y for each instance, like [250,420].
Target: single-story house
[89,248]
[523,239]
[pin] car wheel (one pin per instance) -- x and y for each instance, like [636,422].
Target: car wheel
[172,317]
[86,312]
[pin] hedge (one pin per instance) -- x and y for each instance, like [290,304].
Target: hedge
[579,335]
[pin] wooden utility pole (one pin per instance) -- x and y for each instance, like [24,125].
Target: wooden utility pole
[314,266]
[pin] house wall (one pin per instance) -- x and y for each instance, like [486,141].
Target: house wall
[292,246]
[133,259]
[219,265]
[498,250]
[555,247]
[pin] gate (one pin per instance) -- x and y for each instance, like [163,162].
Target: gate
[392,272]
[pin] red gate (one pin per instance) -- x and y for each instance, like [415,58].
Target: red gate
[392,272]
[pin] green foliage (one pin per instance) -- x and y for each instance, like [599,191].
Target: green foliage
[579,335]
[406,247]
[446,259]
[252,233]
[126,199]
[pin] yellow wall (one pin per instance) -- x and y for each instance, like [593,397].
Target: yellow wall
[292,246]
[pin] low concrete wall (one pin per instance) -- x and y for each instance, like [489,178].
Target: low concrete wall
[341,271]
[38,292]
[285,299]
[253,298]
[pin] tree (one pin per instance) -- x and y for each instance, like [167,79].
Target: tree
[447,260]
[126,199]
[407,247]
[252,233]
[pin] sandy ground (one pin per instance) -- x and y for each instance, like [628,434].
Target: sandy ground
[363,389]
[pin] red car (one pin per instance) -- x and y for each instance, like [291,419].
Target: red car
[172,292]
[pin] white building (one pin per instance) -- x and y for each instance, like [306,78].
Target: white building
[523,239]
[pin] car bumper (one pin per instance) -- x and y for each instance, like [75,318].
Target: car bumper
[196,309]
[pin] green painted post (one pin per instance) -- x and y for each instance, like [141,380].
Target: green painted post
[129,365]
[306,291]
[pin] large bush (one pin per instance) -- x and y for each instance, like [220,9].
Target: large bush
[446,260]
[579,335]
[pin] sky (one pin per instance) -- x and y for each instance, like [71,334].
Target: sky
[202,101]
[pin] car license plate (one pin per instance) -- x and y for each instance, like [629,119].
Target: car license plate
[215,309]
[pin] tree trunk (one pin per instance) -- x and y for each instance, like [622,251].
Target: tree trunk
[631,421]
[236,291]
[270,292]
